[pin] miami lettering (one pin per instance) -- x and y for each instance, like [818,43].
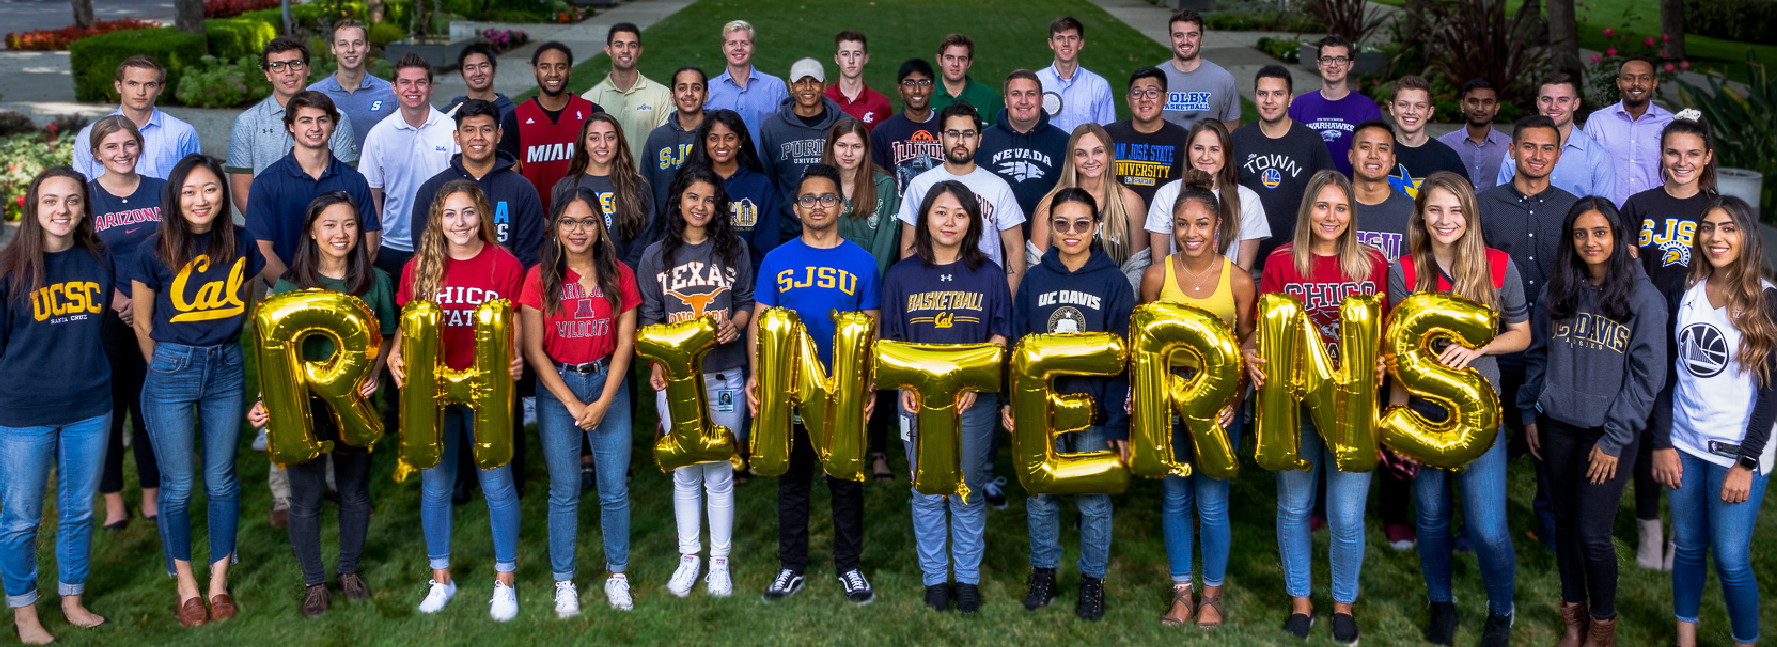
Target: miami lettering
[560,152]
[77,298]
[213,300]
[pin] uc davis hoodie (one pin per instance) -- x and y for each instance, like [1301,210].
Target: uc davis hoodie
[518,212]
[1029,161]
[1593,371]
[1096,298]
[787,145]
[665,151]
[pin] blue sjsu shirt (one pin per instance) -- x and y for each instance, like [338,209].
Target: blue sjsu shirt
[815,282]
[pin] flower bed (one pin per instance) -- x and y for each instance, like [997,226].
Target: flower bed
[232,8]
[504,39]
[45,40]
[26,155]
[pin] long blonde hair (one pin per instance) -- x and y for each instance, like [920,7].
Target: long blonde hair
[1354,257]
[1113,232]
[429,256]
[1472,274]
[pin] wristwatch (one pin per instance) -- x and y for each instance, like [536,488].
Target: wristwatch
[1750,464]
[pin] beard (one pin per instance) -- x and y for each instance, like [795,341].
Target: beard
[950,156]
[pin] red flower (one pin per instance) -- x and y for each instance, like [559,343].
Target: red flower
[1596,59]
[1662,53]
[1609,32]
[1649,41]
[1665,38]
[1670,67]
[1684,65]
[1612,51]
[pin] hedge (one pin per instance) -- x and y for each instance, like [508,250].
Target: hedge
[1752,21]
[232,38]
[94,59]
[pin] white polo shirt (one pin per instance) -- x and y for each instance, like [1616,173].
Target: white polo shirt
[398,158]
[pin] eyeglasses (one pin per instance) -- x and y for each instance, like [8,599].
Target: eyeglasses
[1145,94]
[1334,60]
[962,134]
[571,224]
[1071,226]
[278,66]
[824,199]
[916,83]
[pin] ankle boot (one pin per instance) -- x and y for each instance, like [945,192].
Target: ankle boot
[1573,616]
[1601,633]
[1650,554]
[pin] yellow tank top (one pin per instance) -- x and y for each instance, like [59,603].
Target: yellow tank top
[1219,303]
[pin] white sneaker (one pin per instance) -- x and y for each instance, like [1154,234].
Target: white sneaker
[530,411]
[567,600]
[504,605]
[617,593]
[720,586]
[437,596]
[685,576]
[259,442]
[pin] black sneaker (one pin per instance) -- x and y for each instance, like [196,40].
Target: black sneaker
[938,597]
[1298,625]
[996,493]
[1497,632]
[856,587]
[1091,603]
[1442,629]
[1042,588]
[1345,629]
[968,598]
[786,584]
[588,477]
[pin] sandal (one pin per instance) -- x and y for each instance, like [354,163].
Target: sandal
[1181,595]
[881,469]
[1213,603]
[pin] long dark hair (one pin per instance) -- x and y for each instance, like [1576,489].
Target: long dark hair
[626,182]
[22,260]
[1570,273]
[971,254]
[1744,281]
[748,156]
[554,265]
[176,245]
[1700,128]
[305,263]
[863,201]
[720,230]
[1074,194]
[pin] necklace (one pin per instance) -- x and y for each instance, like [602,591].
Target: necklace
[1198,276]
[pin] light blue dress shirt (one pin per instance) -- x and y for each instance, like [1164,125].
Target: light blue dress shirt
[755,102]
[1585,168]
[1086,98]
[165,140]
[1482,160]
[1635,143]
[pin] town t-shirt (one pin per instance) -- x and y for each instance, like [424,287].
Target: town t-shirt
[945,304]
[492,274]
[1147,161]
[1208,92]
[1278,170]
[123,222]
[1665,228]
[905,148]
[817,282]
[584,326]
[1334,120]
[1413,163]
[50,344]
[1322,289]
[1384,226]
[204,302]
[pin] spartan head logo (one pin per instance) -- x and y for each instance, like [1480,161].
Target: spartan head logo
[1675,252]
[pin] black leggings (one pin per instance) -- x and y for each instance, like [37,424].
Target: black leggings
[308,483]
[884,420]
[128,370]
[1647,490]
[1584,513]
[792,510]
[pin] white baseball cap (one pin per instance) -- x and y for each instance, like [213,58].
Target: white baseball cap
[807,67]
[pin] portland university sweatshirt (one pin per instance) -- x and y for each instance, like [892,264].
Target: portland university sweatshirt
[1097,298]
[1592,371]
[1029,161]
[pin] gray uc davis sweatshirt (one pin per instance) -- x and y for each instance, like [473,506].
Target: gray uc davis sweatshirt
[1593,371]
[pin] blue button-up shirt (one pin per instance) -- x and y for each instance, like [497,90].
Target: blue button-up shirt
[278,203]
[755,102]
[1482,160]
[1635,143]
[1086,98]
[1585,168]
[366,107]
[165,140]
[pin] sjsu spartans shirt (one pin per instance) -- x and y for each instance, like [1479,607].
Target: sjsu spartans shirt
[492,274]
[204,302]
[817,282]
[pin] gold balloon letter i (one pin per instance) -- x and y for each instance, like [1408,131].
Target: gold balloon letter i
[792,380]
[485,387]
[286,379]
[1039,414]
[679,349]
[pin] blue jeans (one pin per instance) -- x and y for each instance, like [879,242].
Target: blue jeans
[1347,492]
[496,486]
[967,521]
[1208,498]
[1044,515]
[1701,523]
[1484,508]
[193,390]
[77,452]
[610,443]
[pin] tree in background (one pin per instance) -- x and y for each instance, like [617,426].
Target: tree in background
[1564,40]
[1672,25]
[83,13]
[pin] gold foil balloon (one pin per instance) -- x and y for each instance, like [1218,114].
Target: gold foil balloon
[1156,332]
[939,373]
[679,349]
[485,387]
[1341,397]
[1039,414]
[282,323]
[832,406]
[1472,423]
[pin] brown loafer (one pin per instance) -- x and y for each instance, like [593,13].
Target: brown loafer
[315,601]
[192,613]
[353,587]
[222,607]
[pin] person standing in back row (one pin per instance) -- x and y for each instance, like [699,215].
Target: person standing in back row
[794,137]
[852,53]
[260,137]
[1481,146]
[1337,107]
[165,139]
[906,144]
[1630,129]
[1078,95]
[541,133]
[639,104]
[956,54]
[1586,167]
[1277,155]
[1196,88]
[518,211]
[1416,154]
[1150,150]
[752,94]
[477,65]
[363,98]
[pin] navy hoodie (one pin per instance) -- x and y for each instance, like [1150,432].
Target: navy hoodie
[518,212]
[753,207]
[665,151]
[1097,298]
[1029,161]
[1592,371]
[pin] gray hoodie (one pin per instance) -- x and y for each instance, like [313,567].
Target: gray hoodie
[695,283]
[665,151]
[787,145]
[1591,371]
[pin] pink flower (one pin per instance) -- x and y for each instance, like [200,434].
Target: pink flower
[1612,51]
[1596,59]
[1609,32]
[1649,41]
[1665,38]
[1662,53]
[1684,65]
[1670,67]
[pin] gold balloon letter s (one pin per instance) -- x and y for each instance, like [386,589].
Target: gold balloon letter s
[1299,371]
[1039,414]
[792,379]
[679,349]
[485,387]
[1472,423]
[286,378]
[1156,332]
[939,373]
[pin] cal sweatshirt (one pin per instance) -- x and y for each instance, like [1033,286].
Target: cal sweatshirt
[694,283]
[518,212]
[1029,161]
[665,151]
[1097,298]
[788,143]
[1593,371]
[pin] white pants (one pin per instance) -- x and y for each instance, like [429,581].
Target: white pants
[717,477]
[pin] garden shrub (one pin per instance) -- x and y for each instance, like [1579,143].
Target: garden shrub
[94,59]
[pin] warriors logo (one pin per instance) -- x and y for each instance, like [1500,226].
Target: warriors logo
[1702,350]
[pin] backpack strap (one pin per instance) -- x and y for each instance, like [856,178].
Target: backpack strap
[1408,271]
[1496,265]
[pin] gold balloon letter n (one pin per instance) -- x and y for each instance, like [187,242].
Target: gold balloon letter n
[791,378]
